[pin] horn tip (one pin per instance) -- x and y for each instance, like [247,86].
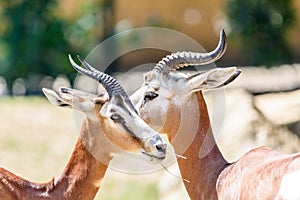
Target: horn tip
[70,58]
[222,34]
[75,66]
[79,58]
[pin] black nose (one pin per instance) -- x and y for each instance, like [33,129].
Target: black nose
[160,147]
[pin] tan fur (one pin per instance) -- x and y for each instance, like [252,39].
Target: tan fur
[120,139]
[202,173]
[257,175]
[123,141]
[260,174]
[82,175]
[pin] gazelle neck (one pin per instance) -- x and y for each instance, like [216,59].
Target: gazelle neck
[204,160]
[79,180]
[83,173]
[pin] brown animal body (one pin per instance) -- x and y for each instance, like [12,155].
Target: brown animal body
[176,99]
[262,173]
[111,125]
[79,180]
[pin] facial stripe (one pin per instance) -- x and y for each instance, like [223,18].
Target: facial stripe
[128,130]
[120,120]
[122,104]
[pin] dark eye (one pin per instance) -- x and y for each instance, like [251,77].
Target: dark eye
[116,117]
[150,96]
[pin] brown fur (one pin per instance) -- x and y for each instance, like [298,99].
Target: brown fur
[79,180]
[256,175]
[202,173]
[89,160]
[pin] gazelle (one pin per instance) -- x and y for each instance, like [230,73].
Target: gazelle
[176,100]
[111,125]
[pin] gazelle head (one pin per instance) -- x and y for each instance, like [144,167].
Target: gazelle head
[114,112]
[165,91]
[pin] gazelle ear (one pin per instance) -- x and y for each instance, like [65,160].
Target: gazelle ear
[55,99]
[81,96]
[213,79]
[75,99]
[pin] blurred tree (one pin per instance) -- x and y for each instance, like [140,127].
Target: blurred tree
[95,24]
[34,40]
[261,26]
[108,15]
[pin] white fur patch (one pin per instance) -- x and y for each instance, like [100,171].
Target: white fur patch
[289,188]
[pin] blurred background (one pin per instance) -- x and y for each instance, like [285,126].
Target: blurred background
[37,35]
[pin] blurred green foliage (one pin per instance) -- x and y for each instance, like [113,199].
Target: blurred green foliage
[35,40]
[261,27]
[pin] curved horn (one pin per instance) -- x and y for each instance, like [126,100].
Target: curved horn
[111,85]
[182,59]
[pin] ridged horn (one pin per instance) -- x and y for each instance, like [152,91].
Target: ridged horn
[111,85]
[183,59]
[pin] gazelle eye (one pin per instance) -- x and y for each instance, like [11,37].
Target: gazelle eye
[150,96]
[116,117]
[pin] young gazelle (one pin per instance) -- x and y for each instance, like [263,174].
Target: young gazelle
[262,173]
[111,125]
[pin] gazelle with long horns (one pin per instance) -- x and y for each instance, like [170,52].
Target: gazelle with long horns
[111,125]
[262,173]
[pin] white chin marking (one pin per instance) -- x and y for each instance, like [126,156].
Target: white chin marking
[289,187]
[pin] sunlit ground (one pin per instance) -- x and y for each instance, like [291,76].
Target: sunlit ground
[37,138]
